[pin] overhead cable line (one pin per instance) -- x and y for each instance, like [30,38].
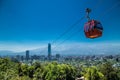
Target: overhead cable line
[111,8]
[69,37]
[70,28]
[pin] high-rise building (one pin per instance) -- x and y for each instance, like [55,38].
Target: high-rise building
[49,51]
[27,55]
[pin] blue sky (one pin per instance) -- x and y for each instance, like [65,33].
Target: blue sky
[38,22]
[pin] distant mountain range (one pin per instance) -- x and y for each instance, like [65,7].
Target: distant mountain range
[75,49]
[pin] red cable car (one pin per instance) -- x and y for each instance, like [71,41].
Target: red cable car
[92,28]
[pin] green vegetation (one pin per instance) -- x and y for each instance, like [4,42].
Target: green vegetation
[12,70]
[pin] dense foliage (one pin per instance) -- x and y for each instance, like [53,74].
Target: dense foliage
[13,70]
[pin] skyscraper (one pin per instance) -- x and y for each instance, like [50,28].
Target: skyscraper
[27,55]
[49,51]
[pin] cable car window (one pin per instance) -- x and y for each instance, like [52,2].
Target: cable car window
[99,26]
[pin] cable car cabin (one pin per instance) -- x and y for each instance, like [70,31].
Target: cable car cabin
[93,29]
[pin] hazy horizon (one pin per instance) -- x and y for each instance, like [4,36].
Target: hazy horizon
[67,49]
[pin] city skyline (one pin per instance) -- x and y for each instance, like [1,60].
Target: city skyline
[71,49]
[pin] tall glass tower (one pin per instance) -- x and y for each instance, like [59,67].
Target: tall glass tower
[27,55]
[49,51]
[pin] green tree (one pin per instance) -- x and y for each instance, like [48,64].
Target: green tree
[109,72]
[8,69]
[31,70]
[92,73]
[55,71]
